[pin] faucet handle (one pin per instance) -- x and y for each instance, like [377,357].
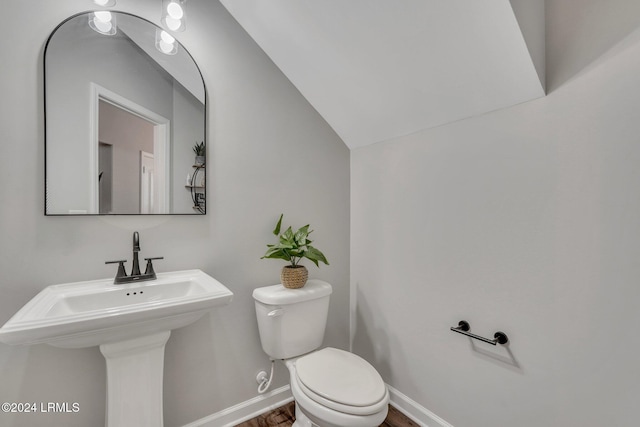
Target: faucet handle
[149,270]
[121,272]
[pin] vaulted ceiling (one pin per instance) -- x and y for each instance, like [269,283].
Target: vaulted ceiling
[379,69]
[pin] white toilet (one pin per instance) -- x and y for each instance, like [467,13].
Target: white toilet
[331,387]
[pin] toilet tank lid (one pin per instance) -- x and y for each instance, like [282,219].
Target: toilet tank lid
[279,295]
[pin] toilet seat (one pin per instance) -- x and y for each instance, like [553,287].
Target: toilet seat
[341,381]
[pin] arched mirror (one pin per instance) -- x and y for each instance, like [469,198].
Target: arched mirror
[125,112]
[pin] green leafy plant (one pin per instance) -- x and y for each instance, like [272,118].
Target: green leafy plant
[294,245]
[199,149]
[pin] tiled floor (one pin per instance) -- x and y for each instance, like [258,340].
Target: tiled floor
[284,417]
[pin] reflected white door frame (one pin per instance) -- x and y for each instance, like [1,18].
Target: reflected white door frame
[161,147]
[147,183]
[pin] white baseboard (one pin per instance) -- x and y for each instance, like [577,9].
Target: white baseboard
[251,408]
[246,410]
[414,410]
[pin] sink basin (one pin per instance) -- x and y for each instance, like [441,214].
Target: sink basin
[131,323]
[85,314]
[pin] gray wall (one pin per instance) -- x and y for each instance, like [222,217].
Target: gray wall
[269,153]
[524,220]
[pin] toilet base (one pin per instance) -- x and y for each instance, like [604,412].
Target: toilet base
[301,419]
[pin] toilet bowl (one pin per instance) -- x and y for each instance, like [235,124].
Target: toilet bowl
[331,387]
[334,388]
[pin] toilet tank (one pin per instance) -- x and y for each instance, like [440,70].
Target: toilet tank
[292,321]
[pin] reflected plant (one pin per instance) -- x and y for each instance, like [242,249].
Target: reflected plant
[199,149]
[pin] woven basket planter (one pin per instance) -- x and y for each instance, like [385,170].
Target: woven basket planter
[294,277]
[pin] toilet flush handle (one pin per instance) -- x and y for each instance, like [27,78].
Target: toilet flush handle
[275,313]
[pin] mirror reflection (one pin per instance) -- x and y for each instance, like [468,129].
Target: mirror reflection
[125,108]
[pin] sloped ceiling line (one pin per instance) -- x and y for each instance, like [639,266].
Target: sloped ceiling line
[379,69]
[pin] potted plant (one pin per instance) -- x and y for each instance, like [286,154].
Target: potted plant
[199,150]
[293,246]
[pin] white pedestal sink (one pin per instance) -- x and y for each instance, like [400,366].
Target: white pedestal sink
[131,323]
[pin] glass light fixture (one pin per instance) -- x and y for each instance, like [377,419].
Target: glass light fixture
[105,3]
[103,22]
[174,14]
[166,43]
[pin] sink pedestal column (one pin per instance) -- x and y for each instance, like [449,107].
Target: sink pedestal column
[135,370]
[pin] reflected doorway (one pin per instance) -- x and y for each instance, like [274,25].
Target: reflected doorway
[132,151]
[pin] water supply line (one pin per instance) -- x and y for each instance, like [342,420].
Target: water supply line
[263,382]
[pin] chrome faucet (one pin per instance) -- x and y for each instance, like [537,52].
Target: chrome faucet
[136,276]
